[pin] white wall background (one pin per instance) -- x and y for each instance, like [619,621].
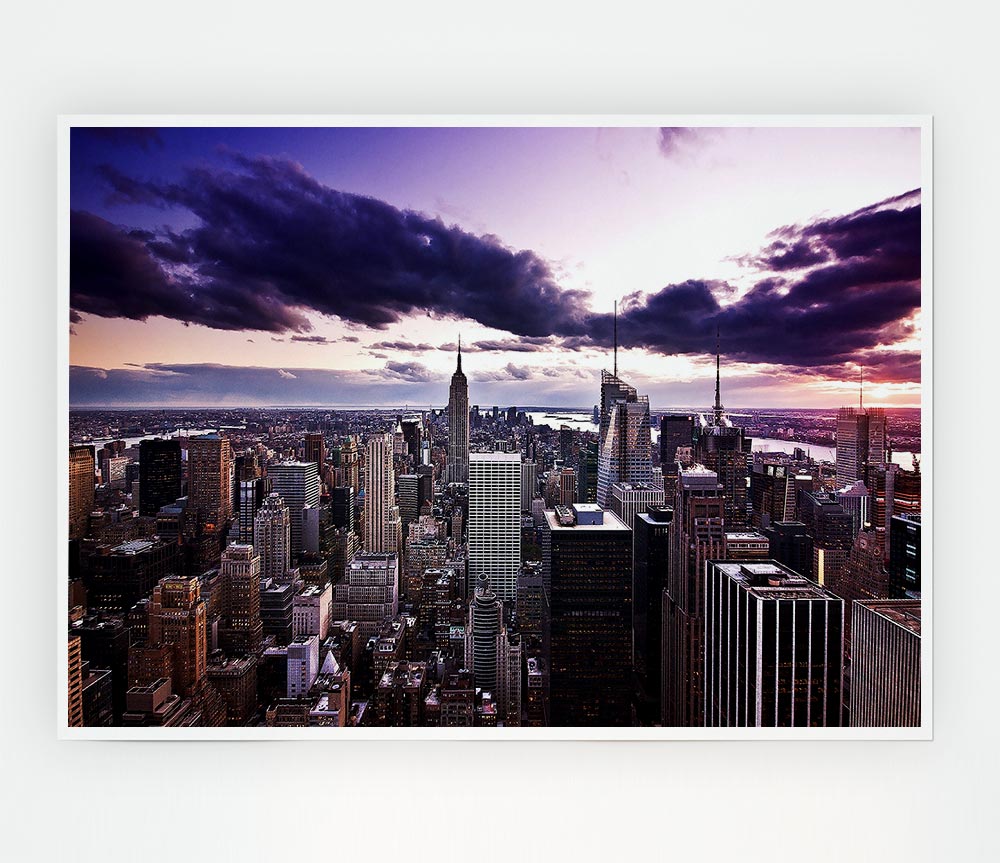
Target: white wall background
[760,801]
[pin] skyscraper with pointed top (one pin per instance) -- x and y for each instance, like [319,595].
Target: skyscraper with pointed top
[458,424]
[625,453]
[862,439]
[725,449]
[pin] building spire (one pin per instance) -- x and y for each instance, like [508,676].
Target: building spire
[616,338]
[718,394]
[459,352]
[861,391]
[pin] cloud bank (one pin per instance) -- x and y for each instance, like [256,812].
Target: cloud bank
[271,245]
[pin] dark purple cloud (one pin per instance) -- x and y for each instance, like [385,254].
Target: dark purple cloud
[402,345]
[270,231]
[144,137]
[271,244]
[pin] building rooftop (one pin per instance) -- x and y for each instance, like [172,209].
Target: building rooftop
[902,612]
[136,546]
[608,522]
[768,579]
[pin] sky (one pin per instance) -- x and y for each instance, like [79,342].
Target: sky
[340,266]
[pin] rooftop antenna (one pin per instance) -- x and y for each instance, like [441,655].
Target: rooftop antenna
[616,338]
[459,352]
[861,391]
[718,395]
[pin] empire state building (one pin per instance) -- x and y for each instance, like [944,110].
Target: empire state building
[458,424]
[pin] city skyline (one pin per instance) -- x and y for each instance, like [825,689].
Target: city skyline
[338,266]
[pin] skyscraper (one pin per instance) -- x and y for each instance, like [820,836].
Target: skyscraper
[250,495]
[651,560]
[272,538]
[458,424]
[210,480]
[697,534]
[885,663]
[382,526]
[485,620]
[862,439]
[528,484]
[773,648]
[315,449]
[368,593]
[626,449]
[240,630]
[81,489]
[675,430]
[177,617]
[587,570]
[159,474]
[628,499]
[298,484]
[723,448]
[495,520]
[904,556]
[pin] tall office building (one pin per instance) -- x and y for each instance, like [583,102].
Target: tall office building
[315,449]
[177,617]
[676,430]
[297,482]
[529,484]
[862,439]
[250,495]
[382,526]
[159,474]
[832,531]
[416,494]
[885,663]
[567,487]
[628,499]
[74,718]
[302,665]
[240,629]
[587,569]
[904,556]
[613,391]
[368,592]
[458,424]
[791,545]
[773,648]
[485,620]
[104,643]
[723,448]
[350,463]
[626,449]
[651,560]
[81,489]
[697,535]
[774,490]
[586,472]
[342,506]
[494,531]
[210,480]
[272,538]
